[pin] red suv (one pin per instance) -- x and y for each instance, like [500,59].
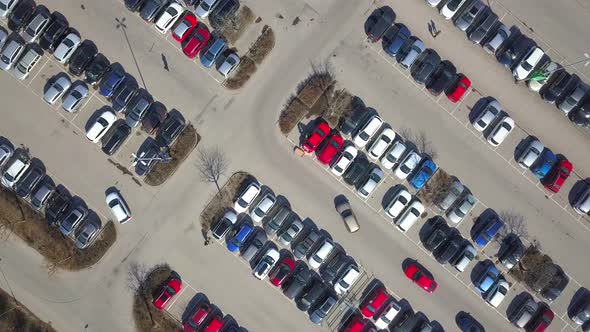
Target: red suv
[542,321]
[329,150]
[198,318]
[374,303]
[215,324]
[282,271]
[195,42]
[318,135]
[558,175]
[419,277]
[356,324]
[172,287]
[459,89]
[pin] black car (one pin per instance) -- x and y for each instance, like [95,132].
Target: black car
[97,68]
[221,228]
[155,116]
[444,75]
[82,57]
[356,171]
[449,250]
[511,251]
[416,323]
[515,51]
[116,136]
[26,184]
[402,319]
[150,9]
[56,206]
[297,284]
[331,270]
[439,235]
[489,25]
[379,22]
[311,296]
[581,116]
[125,91]
[147,158]
[223,11]
[133,5]
[171,128]
[561,86]
[352,121]
[52,36]
[425,66]
[20,15]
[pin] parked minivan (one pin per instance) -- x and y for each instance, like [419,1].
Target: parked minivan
[26,63]
[213,52]
[321,254]
[277,221]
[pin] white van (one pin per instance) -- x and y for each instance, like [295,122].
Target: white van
[321,254]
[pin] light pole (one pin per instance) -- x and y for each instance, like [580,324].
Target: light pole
[540,74]
[164,157]
[121,25]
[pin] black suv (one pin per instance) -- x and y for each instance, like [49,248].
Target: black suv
[116,137]
[171,128]
[82,57]
[52,36]
[444,75]
[56,206]
[97,68]
[357,170]
[425,66]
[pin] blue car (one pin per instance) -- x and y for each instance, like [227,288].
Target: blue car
[395,38]
[487,230]
[487,279]
[111,81]
[213,52]
[236,242]
[424,173]
[545,163]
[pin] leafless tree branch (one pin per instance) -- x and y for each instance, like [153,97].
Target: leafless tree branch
[212,164]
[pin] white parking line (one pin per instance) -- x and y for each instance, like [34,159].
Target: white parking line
[40,70]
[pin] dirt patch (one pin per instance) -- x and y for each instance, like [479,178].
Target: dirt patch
[234,27]
[313,89]
[436,189]
[291,115]
[59,251]
[146,316]
[245,70]
[179,151]
[263,45]
[16,317]
[223,200]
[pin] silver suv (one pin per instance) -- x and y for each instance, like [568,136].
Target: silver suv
[27,63]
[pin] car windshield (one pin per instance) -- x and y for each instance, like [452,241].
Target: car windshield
[527,66]
[364,136]
[2,6]
[205,6]
[415,212]
[405,169]
[334,144]
[453,4]
[284,270]
[481,123]
[30,31]
[344,284]
[172,11]
[68,43]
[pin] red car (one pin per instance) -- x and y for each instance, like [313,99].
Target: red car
[195,42]
[167,292]
[356,324]
[215,324]
[184,28]
[557,177]
[457,93]
[328,152]
[282,271]
[542,321]
[197,319]
[419,277]
[374,303]
[318,135]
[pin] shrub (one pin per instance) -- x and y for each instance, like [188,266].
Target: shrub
[245,70]
[291,115]
[263,45]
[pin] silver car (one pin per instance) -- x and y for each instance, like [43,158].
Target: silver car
[469,14]
[66,48]
[410,56]
[487,116]
[6,6]
[86,234]
[36,26]
[462,208]
[42,194]
[501,35]
[455,191]
[27,63]
[71,220]
[3,37]
[74,97]
[575,98]
[59,85]
[10,53]
[288,235]
[231,62]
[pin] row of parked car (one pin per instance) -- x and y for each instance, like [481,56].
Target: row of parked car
[55,36]
[520,54]
[193,35]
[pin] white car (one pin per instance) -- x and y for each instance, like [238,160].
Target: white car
[56,89]
[381,144]
[14,171]
[10,53]
[501,131]
[387,315]
[266,263]
[321,254]
[496,295]
[261,209]
[6,7]
[451,8]
[408,164]
[398,203]
[487,116]
[169,16]
[347,279]
[528,63]
[344,160]
[410,216]
[100,126]
[369,130]
[247,197]
[582,202]
[393,155]
[118,207]
[532,152]
[433,3]
[206,7]
[66,48]
[375,176]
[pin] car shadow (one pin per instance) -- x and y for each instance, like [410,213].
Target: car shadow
[577,190]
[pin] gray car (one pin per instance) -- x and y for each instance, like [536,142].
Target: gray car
[411,53]
[26,184]
[6,152]
[86,234]
[486,27]
[469,15]
[137,108]
[74,97]
[10,53]
[3,37]
[575,99]
[288,235]
[57,87]
[27,62]
[455,191]
[72,219]
[324,309]
[304,246]
[253,246]
[37,25]
[462,208]
[497,39]
[231,62]
[277,221]
[42,194]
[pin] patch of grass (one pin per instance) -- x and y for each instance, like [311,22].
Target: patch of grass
[245,70]
[59,251]
[234,27]
[223,199]
[263,45]
[142,298]
[16,317]
[179,151]
[291,115]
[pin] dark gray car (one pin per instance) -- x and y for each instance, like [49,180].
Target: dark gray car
[515,50]
[138,107]
[26,184]
[42,194]
[302,248]
[277,221]
[561,86]
[171,128]
[150,9]
[425,66]
[124,93]
[297,284]
[487,27]
[253,246]
[469,15]
[323,309]
[331,270]
[311,296]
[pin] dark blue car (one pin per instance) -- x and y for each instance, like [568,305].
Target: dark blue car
[424,173]
[545,163]
[111,81]
[397,36]
[487,230]
[236,242]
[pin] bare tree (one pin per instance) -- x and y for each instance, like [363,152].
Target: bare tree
[339,103]
[437,188]
[324,71]
[212,165]
[514,223]
[420,140]
[137,283]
